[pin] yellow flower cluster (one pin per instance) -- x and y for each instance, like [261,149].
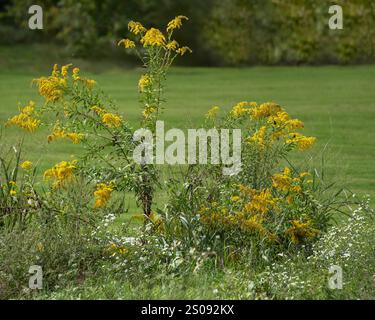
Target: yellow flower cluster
[241,108]
[259,137]
[136,27]
[251,210]
[61,173]
[212,112]
[98,110]
[254,224]
[52,88]
[26,165]
[282,120]
[148,112]
[302,142]
[109,119]
[172,45]
[183,50]
[261,202]
[222,218]
[254,211]
[300,230]
[12,188]
[115,249]
[59,133]
[153,37]
[176,23]
[25,120]
[288,184]
[265,110]
[275,124]
[76,77]
[103,194]
[144,82]
[127,43]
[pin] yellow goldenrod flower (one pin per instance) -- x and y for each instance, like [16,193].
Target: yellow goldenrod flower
[253,224]
[261,202]
[144,82]
[286,183]
[259,137]
[13,192]
[65,69]
[302,142]
[294,124]
[235,198]
[153,37]
[75,75]
[114,249]
[148,112]
[52,88]
[12,183]
[282,181]
[136,27]
[183,50]
[265,110]
[304,174]
[102,194]
[26,165]
[75,137]
[176,23]
[212,112]
[89,83]
[300,230]
[111,120]
[98,110]
[29,109]
[61,173]
[60,133]
[127,43]
[173,45]
[25,120]
[55,71]
[240,109]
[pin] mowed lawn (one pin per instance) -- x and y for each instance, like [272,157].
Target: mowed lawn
[337,105]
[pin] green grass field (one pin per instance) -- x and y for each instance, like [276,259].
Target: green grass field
[337,104]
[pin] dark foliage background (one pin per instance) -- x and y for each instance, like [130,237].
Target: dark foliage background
[221,32]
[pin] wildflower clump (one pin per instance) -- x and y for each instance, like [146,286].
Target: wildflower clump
[262,201]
